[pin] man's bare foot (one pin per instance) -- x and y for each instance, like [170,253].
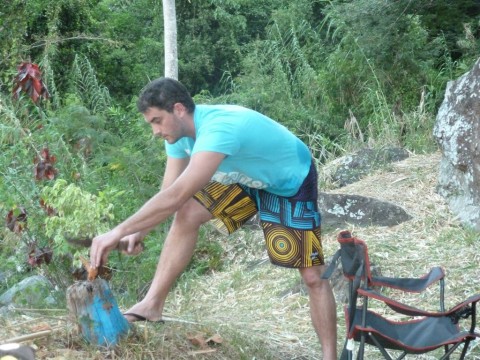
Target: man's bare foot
[140,312]
[132,317]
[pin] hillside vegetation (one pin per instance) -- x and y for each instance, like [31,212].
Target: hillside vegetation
[255,310]
[77,157]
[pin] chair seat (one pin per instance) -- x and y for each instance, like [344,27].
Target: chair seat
[422,332]
[414,336]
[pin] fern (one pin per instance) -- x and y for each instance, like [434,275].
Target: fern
[50,81]
[86,86]
[10,129]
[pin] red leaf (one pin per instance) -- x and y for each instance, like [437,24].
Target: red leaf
[44,168]
[16,220]
[44,153]
[50,174]
[48,209]
[39,256]
[29,80]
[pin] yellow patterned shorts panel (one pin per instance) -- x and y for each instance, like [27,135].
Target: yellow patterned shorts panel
[295,245]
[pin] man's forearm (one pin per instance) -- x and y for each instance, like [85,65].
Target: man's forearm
[153,212]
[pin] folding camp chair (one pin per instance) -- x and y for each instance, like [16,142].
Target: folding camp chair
[422,331]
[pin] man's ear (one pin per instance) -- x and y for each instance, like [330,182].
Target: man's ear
[179,109]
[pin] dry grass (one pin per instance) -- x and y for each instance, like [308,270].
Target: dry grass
[259,310]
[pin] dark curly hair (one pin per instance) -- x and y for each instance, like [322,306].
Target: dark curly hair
[163,93]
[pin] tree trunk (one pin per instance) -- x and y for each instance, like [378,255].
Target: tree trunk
[170,33]
[99,319]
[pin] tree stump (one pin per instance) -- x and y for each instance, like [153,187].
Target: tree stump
[93,306]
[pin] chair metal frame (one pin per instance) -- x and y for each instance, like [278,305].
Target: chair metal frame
[423,331]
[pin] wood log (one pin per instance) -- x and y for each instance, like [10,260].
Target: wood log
[94,308]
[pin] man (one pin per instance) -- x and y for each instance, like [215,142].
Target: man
[227,163]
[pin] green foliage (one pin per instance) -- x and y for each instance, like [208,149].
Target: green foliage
[89,159]
[78,214]
[455,22]
[281,78]
[211,37]
[208,256]
[95,97]
[131,48]
[340,74]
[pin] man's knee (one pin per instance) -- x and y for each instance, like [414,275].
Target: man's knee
[192,213]
[312,276]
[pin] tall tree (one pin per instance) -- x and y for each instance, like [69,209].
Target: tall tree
[170,29]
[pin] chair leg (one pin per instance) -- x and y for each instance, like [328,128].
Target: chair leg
[451,350]
[346,354]
[384,352]
[361,348]
[465,348]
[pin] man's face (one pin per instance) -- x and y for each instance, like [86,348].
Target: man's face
[169,126]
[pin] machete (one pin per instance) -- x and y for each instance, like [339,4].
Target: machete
[87,242]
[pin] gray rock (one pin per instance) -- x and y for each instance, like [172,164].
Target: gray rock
[349,169]
[457,132]
[338,210]
[3,276]
[33,291]
[17,351]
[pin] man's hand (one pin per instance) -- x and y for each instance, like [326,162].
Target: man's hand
[101,247]
[132,244]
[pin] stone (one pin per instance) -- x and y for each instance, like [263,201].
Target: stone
[17,351]
[351,168]
[337,210]
[457,132]
[33,291]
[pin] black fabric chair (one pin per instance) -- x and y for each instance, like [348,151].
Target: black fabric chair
[419,331]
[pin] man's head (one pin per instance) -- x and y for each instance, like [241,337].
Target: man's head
[164,93]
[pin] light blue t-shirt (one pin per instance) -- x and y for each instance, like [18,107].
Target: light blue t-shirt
[260,153]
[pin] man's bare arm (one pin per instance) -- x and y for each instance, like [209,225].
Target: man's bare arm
[173,169]
[197,174]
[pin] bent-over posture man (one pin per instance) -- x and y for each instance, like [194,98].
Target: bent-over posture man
[227,163]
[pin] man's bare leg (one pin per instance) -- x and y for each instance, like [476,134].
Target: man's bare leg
[323,310]
[176,254]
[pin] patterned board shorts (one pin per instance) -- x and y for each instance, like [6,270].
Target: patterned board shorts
[291,225]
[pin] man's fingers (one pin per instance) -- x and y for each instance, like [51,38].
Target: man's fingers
[131,245]
[93,257]
[137,249]
[103,259]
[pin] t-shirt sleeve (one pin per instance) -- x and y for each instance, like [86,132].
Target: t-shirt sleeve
[218,138]
[181,149]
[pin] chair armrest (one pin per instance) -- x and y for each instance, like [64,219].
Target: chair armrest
[410,284]
[413,311]
[398,306]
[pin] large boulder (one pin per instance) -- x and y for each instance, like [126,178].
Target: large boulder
[338,210]
[34,291]
[351,168]
[457,131]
